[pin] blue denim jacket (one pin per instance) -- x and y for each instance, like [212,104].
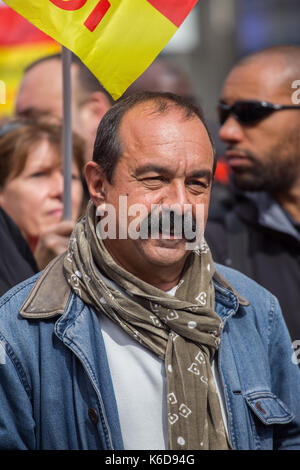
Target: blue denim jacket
[56,390]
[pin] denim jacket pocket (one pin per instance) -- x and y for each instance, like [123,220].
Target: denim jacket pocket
[268,408]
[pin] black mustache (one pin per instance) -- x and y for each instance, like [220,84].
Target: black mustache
[181,225]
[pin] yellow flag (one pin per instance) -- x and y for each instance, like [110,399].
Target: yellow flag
[116,39]
[20,44]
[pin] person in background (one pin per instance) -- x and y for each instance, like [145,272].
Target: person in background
[40,94]
[165,76]
[31,190]
[17,261]
[258,232]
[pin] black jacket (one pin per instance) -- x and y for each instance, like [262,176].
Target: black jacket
[256,237]
[16,260]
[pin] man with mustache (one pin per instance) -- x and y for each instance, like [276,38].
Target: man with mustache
[128,342]
[260,234]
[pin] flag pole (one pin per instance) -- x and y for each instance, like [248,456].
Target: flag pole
[67,133]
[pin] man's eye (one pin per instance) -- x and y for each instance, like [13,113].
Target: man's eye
[38,174]
[153,180]
[197,187]
[197,183]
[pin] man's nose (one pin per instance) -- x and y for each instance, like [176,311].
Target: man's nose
[177,194]
[231,131]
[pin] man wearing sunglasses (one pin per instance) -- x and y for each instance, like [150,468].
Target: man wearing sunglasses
[260,234]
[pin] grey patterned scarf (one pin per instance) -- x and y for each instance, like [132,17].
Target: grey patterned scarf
[183,330]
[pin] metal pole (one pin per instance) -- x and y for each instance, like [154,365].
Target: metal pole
[67,133]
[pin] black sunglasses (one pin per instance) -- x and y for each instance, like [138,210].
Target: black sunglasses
[248,112]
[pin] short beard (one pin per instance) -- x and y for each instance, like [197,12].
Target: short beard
[265,178]
[276,174]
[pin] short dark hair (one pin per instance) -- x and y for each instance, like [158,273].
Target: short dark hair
[87,80]
[108,147]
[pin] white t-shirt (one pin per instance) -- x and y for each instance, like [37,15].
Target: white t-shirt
[139,382]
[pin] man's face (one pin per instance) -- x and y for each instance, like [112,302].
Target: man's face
[41,90]
[166,160]
[264,155]
[41,93]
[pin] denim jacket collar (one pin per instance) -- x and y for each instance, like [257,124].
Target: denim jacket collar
[51,293]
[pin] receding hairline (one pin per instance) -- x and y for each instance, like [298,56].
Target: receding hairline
[160,107]
[152,108]
[290,54]
[108,142]
[42,60]
[85,79]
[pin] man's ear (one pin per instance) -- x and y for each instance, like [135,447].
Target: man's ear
[1,196]
[96,182]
